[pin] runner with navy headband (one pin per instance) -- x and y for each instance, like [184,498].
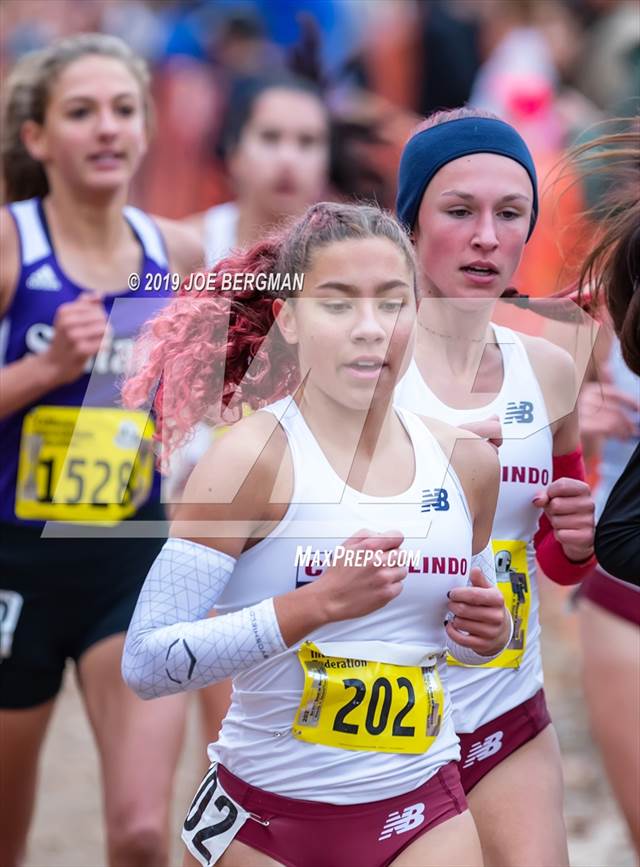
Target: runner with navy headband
[468,192]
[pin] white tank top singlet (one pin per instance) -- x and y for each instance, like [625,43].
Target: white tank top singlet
[482,693]
[256,742]
[220,227]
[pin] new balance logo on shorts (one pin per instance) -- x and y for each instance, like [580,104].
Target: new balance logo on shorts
[522,412]
[436,499]
[400,823]
[483,749]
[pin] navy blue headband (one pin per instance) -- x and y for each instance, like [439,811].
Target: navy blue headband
[430,150]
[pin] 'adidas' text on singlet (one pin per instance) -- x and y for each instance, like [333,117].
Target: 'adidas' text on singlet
[27,328]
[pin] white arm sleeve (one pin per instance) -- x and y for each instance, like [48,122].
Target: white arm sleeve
[485,561]
[172,645]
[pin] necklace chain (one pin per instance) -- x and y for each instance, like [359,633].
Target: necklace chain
[452,336]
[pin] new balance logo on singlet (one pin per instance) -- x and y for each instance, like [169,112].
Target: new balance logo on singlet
[522,412]
[436,499]
[44,279]
[399,823]
[483,749]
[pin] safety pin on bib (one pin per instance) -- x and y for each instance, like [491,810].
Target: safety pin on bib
[260,821]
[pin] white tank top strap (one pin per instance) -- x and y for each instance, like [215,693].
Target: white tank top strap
[5,326]
[323,484]
[34,244]
[427,449]
[148,234]
[519,375]
[220,230]
[306,453]
[512,348]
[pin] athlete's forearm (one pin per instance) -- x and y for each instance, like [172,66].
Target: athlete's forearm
[23,382]
[173,646]
[469,656]
[557,562]
[300,613]
[485,561]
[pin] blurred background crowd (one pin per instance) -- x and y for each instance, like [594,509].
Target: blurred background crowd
[553,68]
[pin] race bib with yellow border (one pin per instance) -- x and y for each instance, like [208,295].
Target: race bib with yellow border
[84,464]
[359,704]
[512,572]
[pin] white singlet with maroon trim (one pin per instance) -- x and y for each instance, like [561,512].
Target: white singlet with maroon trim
[256,742]
[482,694]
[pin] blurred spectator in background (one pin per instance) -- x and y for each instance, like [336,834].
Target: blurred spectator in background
[609,68]
[275,141]
[205,51]
[450,29]
[532,47]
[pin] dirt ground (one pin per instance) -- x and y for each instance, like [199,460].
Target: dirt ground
[67,830]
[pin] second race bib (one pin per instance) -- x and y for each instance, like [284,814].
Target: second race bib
[512,572]
[83,464]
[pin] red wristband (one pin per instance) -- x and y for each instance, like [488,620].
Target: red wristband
[569,466]
[553,561]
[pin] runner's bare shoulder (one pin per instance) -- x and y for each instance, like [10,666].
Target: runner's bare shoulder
[453,440]
[245,480]
[184,246]
[195,223]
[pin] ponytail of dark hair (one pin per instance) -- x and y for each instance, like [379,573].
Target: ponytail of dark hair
[612,267]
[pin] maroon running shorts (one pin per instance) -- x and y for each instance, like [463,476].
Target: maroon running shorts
[300,833]
[616,596]
[487,746]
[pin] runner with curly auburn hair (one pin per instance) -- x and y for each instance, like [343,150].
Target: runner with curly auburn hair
[339,716]
[468,191]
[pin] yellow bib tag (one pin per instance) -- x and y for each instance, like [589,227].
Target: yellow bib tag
[512,571]
[83,464]
[221,429]
[356,704]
